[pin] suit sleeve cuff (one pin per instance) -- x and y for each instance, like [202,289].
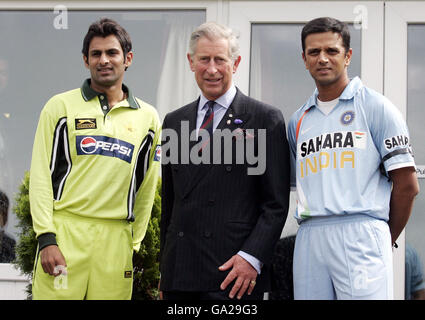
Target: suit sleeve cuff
[255,263]
[46,239]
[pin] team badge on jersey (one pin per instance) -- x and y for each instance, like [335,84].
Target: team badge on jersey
[104,146]
[86,123]
[347,117]
[157,156]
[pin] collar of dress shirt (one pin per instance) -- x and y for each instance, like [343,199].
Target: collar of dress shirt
[225,100]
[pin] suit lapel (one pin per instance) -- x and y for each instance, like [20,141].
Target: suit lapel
[190,116]
[236,115]
[234,118]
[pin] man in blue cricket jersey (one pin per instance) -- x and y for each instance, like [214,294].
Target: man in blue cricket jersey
[353,169]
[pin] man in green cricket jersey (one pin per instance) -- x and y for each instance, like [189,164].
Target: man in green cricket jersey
[94,171]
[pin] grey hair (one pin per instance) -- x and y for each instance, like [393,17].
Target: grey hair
[212,31]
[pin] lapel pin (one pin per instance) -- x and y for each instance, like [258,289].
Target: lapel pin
[238,121]
[228,121]
[230,115]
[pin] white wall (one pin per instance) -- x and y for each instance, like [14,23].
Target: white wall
[12,283]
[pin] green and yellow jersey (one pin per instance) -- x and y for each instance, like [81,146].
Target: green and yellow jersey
[94,162]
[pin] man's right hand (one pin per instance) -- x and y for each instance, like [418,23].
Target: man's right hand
[51,257]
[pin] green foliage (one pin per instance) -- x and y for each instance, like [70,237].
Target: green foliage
[145,262]
[27,245]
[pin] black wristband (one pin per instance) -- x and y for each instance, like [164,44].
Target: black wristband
[46,239]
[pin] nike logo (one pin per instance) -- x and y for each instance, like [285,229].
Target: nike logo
[305,130]
[361,280]
[372,279]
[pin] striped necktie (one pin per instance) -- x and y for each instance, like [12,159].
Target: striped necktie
[208,121]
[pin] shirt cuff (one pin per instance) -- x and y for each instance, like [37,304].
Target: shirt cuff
[257,264]
[46,239]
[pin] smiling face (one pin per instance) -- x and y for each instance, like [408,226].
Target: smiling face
[213,67]
[106,62]
[326,59]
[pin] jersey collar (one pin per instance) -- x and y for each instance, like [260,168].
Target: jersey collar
[88,93]
[350,90]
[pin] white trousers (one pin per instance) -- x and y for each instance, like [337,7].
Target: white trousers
[343,257]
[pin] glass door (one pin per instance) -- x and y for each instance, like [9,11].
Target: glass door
[405,86]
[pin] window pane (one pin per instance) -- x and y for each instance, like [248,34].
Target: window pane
[415,115]
[416,89]
[41,56]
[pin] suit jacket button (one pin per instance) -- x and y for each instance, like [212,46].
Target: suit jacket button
[207,234]
[211,202]
[228,168]
[181,234]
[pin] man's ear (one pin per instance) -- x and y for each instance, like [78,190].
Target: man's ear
[236,64]
[86,61]
[348,56]
[128,59]
[191,64]
[305,61]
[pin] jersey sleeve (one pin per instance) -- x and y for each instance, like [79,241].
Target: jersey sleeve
[146,194]
[40,186]
[391,136]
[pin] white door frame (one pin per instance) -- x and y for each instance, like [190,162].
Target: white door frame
[398,15]
[211,7]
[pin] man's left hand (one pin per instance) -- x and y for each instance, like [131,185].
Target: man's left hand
[243,272]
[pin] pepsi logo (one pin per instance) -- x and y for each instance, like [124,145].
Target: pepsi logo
[88,145]
[105,146]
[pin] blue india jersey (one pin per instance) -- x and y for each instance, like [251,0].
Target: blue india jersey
[340,161]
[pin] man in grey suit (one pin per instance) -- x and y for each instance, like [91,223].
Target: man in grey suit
[224,203]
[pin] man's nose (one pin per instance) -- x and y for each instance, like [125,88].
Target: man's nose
[104,59]
[323,58]
[212,68]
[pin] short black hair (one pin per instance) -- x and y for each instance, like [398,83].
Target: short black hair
[103,28]
[326,24]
